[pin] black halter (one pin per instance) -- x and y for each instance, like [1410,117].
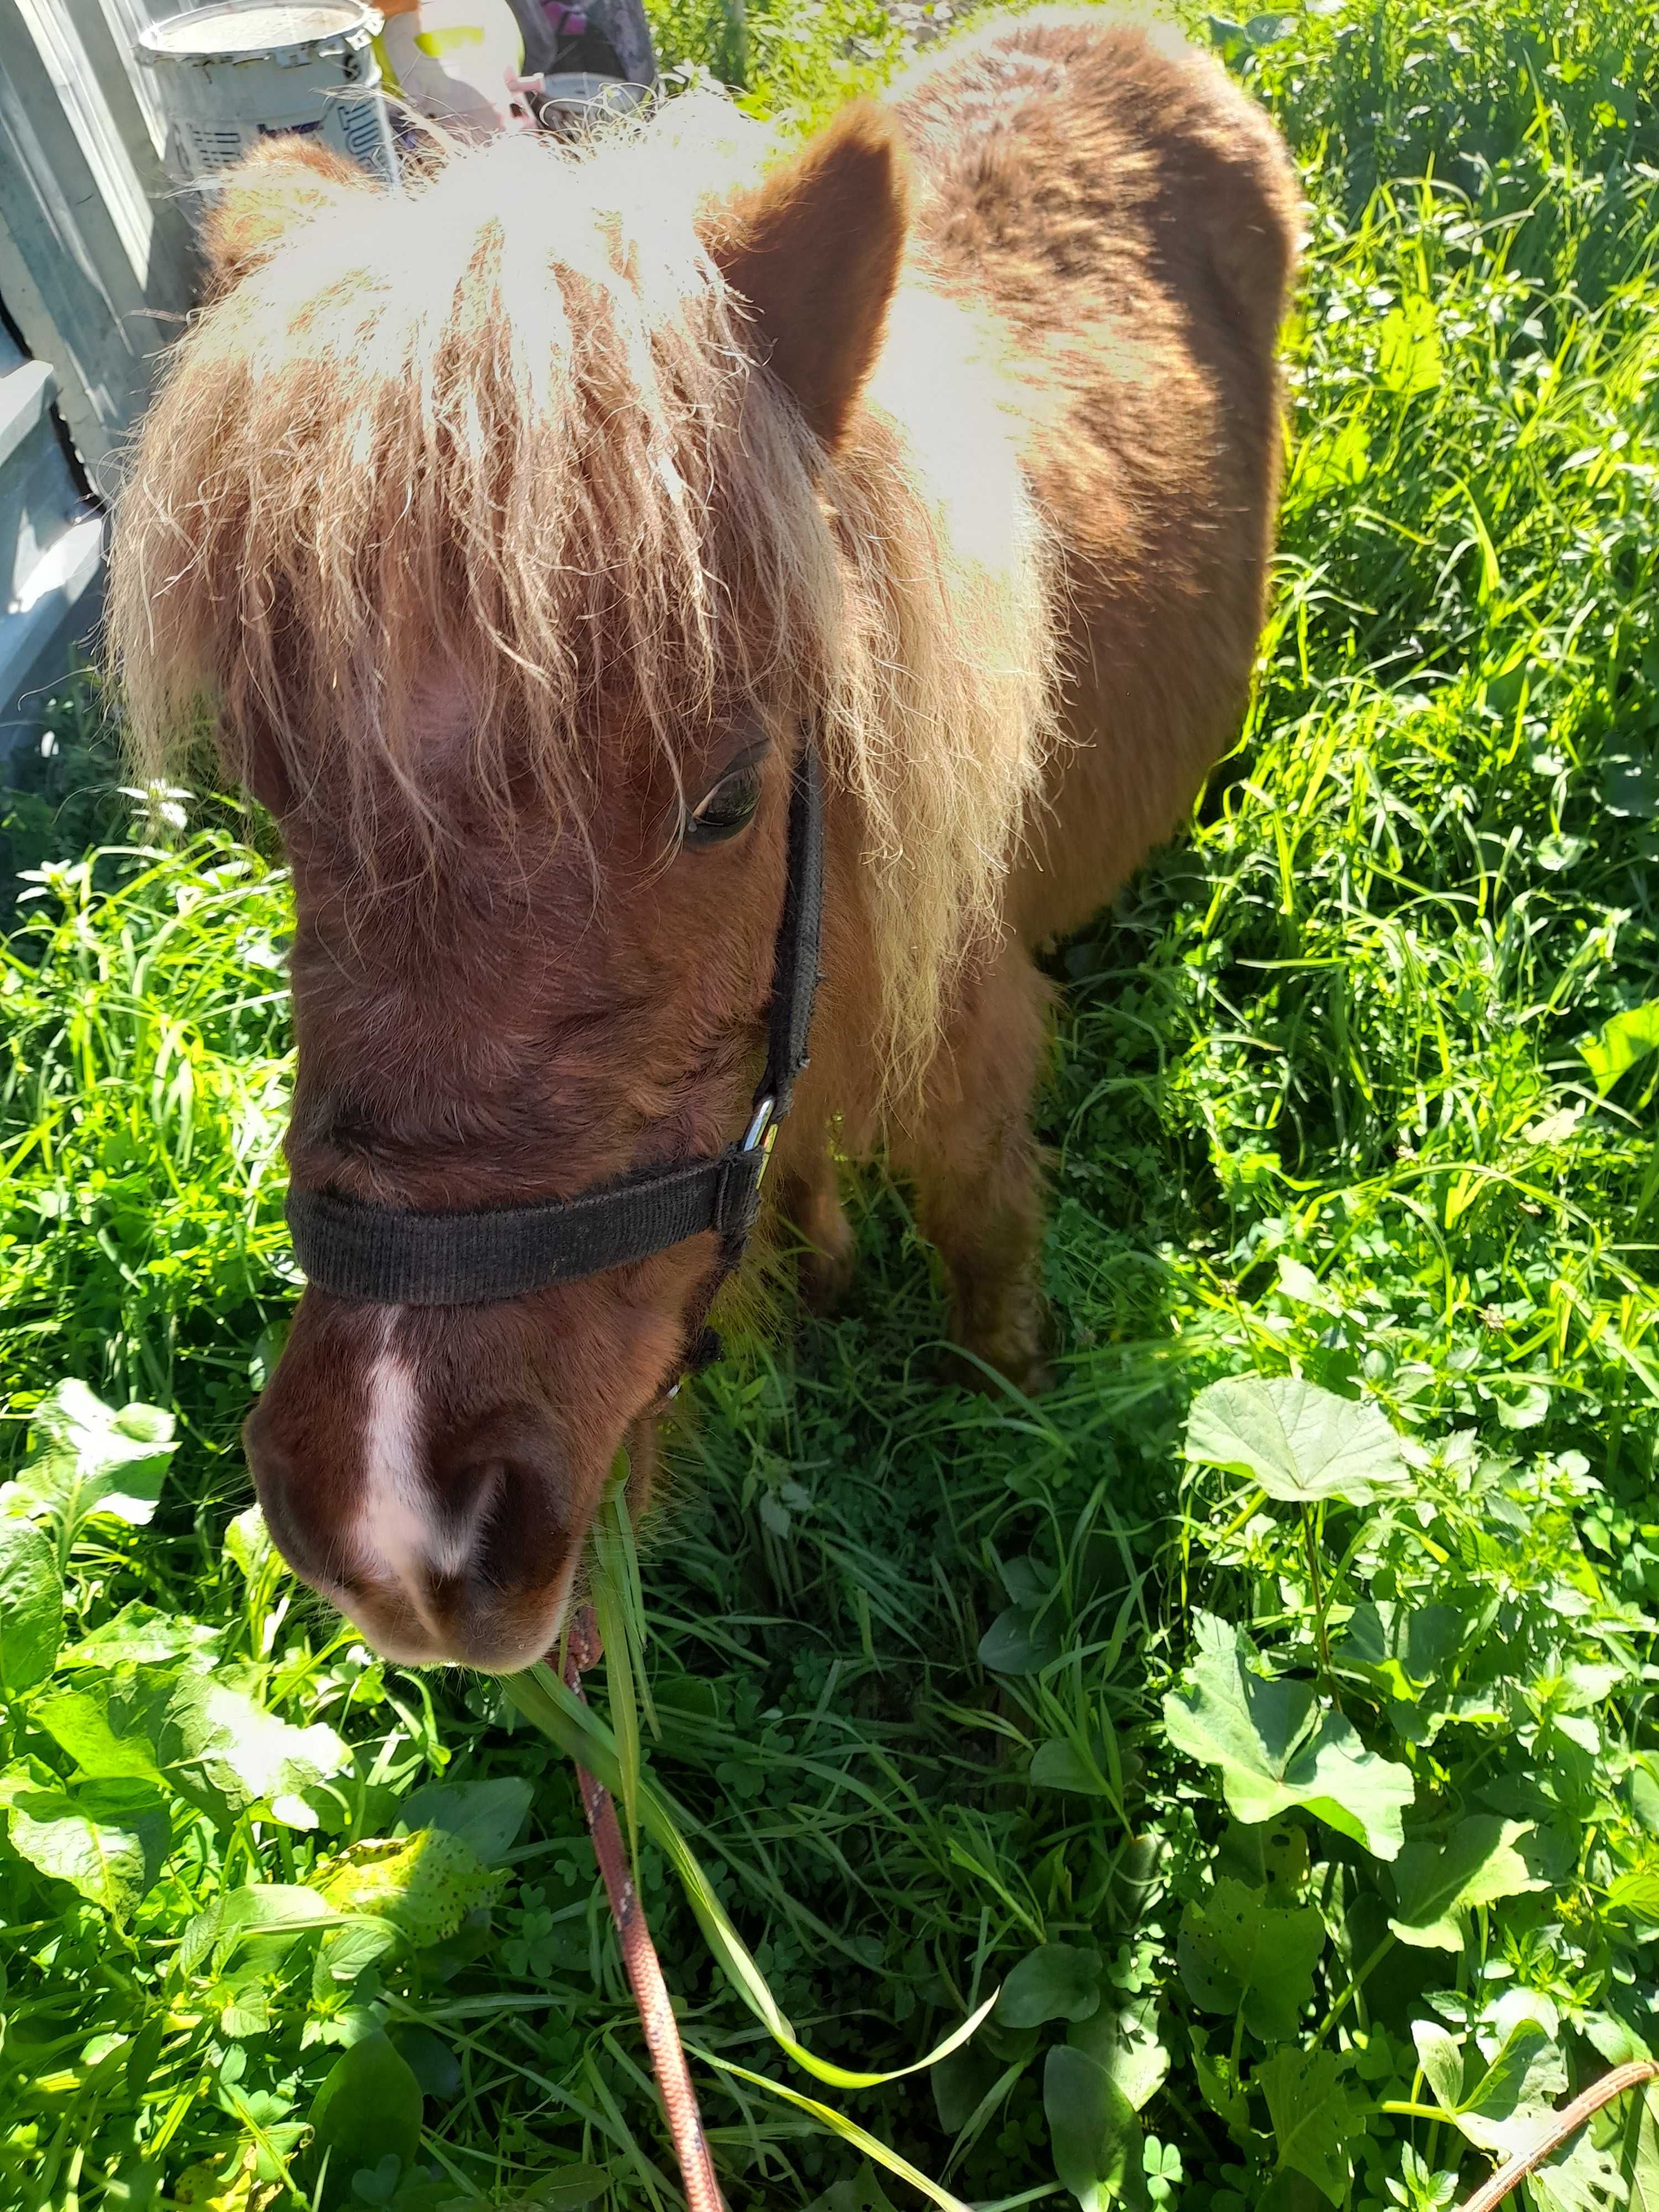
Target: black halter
[390,1257]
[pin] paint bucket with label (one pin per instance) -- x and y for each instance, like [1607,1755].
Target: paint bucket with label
[234,73]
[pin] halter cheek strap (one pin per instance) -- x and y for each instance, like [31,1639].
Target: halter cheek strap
[390,1256]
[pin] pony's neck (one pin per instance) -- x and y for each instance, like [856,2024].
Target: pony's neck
[944,707]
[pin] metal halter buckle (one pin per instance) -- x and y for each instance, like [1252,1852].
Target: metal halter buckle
[761,1133]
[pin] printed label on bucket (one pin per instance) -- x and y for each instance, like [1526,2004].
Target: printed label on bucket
[364,133]
[358,127]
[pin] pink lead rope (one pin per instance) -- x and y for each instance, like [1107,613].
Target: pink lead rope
[662,2034]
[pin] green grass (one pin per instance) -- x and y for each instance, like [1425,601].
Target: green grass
[1355,1085]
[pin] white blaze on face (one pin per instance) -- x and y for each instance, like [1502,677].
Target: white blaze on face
[395,1539]
[399,1539]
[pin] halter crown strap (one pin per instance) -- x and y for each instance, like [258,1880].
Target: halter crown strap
[390,1256]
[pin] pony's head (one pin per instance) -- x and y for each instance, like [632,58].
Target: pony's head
[508,531]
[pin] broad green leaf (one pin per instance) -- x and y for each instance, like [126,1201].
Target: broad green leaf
[90,1460]
[860,2192]
[1061,1765]
[1271,1858]
[245,2009]
[78,1722]
[1436,1884]
[1504,2110]
[1219,2085]
[1303,1287]
[31,1606]
[1637,2152]
[1511,2099]
[1059,1981]
[1620,1043]
[247,1543]
[23,1775]
[431,2060]
[1408,352]
[1311,2122]
[1519,1403]
[266,1911]
[346,1951]
[1295,1441]
[1237,1953]
[1441,2062]
[1583,1684]
[424,1883]
[1343,458]
[141,1636]
[248,1756]
[205,2186]
[1559,851]
[1580,2178]
[1276,1749]
[486,1816]
[367,2109]
[107,1839]
[960,2083]
[1093,2130]
[1029,1582]
[1637,1894]
[1402,1648]
[1630,784]
[1613,2039]
[265,2114]
[1125,2041]
[839,2125]
[1645,1792]
[1020,1641]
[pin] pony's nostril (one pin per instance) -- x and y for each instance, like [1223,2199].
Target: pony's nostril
[515,1532]
[316,1557]
[461,1514]
[500,1507]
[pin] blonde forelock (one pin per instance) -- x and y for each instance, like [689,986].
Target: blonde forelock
[506,421]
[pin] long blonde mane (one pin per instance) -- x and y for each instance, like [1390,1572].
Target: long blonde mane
[504,420]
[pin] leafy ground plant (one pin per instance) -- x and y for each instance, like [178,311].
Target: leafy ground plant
[1256,1731]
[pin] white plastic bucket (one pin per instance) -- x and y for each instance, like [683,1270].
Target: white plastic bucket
[232,74]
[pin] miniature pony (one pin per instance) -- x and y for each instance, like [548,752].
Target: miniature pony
[511,529]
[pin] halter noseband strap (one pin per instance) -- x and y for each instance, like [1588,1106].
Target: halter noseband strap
[390,1257]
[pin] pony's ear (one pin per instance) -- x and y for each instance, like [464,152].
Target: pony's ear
[815,252]
[265,195]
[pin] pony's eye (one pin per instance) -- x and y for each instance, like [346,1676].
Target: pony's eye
[727,809]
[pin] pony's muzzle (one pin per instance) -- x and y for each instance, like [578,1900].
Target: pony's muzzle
[449,1546]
